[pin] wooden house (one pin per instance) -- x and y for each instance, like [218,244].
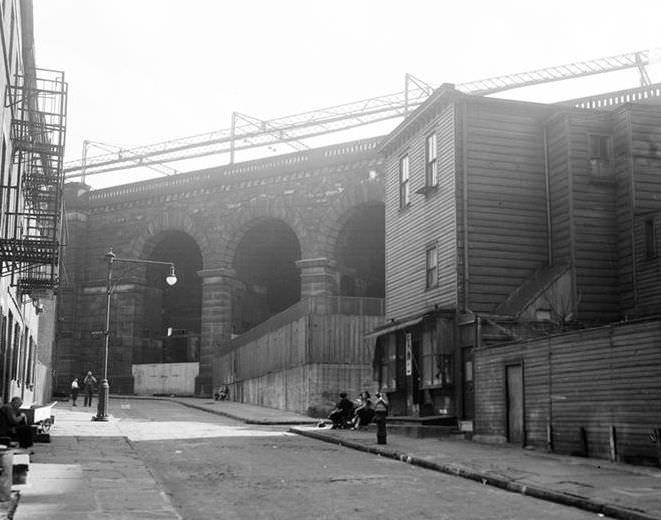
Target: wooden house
[508,221]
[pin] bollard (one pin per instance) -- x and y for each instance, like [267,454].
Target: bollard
[381,433]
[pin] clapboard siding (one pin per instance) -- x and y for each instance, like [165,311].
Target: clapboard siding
[274,369]
[595,247]
[430,219]
[592,379]
[646,152]
[506,200]
[558,165]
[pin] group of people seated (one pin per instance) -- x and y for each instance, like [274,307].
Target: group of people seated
[356,415]
[222,393]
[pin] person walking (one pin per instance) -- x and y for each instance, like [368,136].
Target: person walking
[74,391]
[89,383]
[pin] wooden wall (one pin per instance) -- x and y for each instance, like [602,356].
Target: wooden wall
[429,219]
[302,365]
[594,222]
[646,164]
[594,379]
[502,154]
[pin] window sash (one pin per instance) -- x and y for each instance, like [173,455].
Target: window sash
[404,195]
[431,267]
[431,175]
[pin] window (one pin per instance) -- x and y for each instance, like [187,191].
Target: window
[438,367]
[650,239]
[431,268]
[404,195]
[600,155]
[388,363]
[431,168]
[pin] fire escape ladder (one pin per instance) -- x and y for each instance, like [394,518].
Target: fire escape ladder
[32,186]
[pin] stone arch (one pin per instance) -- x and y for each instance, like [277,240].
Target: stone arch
[259,211]
[343,209]
[172,220]
[262,254]
[355,242]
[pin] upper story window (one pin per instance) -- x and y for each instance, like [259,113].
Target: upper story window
[650,239]
[601,157]
[431,267]
[431,164]
[404,188]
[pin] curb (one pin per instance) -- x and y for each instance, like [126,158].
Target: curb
[549,495]
[261,422]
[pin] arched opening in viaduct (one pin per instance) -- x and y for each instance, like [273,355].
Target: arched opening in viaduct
[268,280]
[173,314]
[360,252]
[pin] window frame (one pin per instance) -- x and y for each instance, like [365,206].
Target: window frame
[431,266]
[404,181]
[600,157]
[431,160]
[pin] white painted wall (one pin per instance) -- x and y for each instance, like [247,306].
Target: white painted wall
[165,378]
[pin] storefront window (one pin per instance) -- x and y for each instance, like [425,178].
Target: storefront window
[438,367]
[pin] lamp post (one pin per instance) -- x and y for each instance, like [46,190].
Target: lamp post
[111,258]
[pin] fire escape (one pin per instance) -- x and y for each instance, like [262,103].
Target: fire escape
[32,185]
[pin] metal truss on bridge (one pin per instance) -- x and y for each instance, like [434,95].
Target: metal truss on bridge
[247,132]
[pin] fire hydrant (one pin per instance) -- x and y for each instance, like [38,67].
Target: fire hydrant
[380,414]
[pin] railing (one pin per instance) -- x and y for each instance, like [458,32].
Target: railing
[323,305]
[284,168]
[617,98]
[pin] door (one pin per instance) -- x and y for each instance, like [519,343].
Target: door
[468,391]
[514,397]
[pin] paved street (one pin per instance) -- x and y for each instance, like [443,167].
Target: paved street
[186,463]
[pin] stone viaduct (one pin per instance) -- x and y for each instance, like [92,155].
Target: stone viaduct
[251,241]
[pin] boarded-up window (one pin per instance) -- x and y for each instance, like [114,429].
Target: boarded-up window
[404,189]
[431,165]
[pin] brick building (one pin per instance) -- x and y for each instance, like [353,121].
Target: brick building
[33,124]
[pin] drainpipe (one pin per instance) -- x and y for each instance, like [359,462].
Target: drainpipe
[464,168]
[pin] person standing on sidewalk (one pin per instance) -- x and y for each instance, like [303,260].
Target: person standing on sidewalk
[89,383]
[74,391]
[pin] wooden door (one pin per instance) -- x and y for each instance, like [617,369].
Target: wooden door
[468,391]
[514,380]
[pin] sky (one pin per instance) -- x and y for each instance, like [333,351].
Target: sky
[145,71]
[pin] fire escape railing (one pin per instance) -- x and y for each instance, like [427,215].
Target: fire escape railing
[32,184]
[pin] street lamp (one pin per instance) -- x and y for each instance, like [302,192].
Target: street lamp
[111,258]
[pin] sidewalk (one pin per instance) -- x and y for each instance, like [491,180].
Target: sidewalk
[616,490]
[76,476]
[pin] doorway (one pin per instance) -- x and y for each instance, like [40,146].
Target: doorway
[514,398]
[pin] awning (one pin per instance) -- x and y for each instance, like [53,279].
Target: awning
[392,327]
